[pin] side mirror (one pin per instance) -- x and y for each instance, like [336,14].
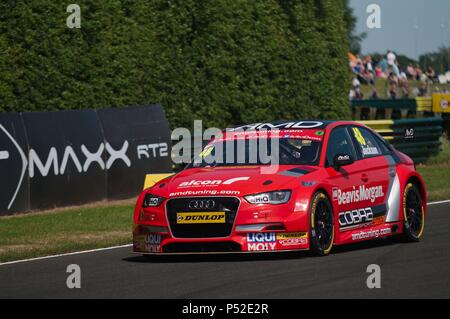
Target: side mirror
[342,160]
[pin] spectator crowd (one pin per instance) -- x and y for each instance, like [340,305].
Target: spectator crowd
[367,70]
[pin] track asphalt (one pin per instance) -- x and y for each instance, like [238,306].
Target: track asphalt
[412,270]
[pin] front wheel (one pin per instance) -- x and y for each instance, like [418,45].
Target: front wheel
[321,232]
[413,214]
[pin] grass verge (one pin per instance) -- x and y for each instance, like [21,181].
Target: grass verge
[437,181]
[56,232]
[436,173]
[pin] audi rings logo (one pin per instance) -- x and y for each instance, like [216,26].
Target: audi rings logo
[202,204]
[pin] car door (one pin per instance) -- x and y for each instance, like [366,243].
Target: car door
[345,182]
[373,194]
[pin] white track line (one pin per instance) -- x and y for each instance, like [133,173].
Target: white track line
[123,246]
[440,202]
[67,254]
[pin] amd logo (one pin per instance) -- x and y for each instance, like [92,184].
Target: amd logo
[270,126]
[409,133]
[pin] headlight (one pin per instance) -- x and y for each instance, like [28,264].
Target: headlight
[275,198]
[151,200]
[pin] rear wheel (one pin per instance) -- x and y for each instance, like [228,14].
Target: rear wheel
[413,214]
[321,231]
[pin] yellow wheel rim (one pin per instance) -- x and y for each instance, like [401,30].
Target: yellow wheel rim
[316,200]
[408,187]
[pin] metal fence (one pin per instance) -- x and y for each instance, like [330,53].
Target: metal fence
[422,142]
[425,118]
[418,107]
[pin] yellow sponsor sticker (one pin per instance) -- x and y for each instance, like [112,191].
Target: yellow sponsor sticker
[152,179]
[359,136]
[291,235]
[292,239]
[201,218]
[206,151]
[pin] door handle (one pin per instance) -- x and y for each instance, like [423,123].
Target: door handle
[364,178]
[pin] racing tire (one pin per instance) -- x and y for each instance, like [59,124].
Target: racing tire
[321,230]
[413,214]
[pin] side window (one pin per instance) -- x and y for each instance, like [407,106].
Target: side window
[339,142]
[367,144]
[383,144]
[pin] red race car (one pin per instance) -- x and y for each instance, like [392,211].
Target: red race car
[284,186]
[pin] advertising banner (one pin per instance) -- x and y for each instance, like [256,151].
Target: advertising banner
[54,159]
[441,103]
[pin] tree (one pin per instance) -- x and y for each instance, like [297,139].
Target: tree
[225,62]
[439,60]
[354,38]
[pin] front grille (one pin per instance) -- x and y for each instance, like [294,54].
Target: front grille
[229,205]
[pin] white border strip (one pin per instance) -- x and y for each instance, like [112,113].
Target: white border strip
[67,254]
[124,246]
[440,202]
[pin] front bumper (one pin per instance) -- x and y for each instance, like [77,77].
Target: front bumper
[245,228]
[147,242]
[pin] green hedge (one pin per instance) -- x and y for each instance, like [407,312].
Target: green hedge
[224,61]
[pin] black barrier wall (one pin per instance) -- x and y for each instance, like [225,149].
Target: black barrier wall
[51,159]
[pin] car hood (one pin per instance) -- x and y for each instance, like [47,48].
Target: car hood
[231,180]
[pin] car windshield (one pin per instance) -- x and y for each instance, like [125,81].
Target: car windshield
[287,149]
